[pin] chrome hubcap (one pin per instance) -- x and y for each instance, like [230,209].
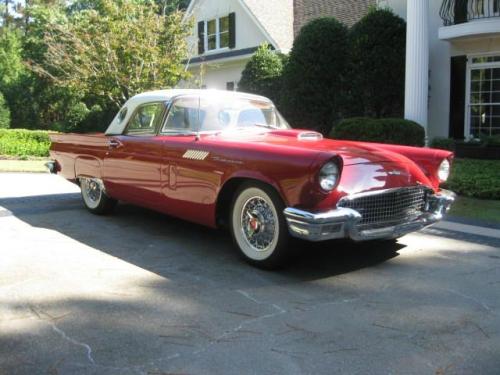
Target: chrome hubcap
[93,189]
[258,223]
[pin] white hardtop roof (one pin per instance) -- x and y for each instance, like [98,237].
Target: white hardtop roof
[160,95]
[117,126]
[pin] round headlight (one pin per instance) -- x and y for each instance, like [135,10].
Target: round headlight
[328,176]
[444,170]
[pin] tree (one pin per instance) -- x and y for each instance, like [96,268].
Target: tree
[170,6]
[11,65]
[34,101]
[5,9]
[315,76]
[4,113]
[377,70]
[262,73]
[124,48]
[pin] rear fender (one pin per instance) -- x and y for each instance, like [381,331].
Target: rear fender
[88,166]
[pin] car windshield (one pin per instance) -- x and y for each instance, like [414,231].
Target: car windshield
[233,113]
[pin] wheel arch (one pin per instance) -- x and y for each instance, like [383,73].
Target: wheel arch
[228,191]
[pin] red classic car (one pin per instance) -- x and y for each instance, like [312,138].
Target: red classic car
[216,158]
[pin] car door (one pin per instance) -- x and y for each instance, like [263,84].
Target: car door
[190,178]
[133,162]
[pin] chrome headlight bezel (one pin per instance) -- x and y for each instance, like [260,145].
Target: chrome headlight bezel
[443,172]
[328,176]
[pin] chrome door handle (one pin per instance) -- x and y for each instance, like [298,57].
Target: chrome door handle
[114,143]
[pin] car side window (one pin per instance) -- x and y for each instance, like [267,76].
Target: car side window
[183,116]
[146,119]
[123,114]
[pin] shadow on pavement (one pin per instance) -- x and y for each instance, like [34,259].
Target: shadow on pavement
[146,238]
[210,312]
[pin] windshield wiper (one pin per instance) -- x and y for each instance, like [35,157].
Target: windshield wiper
[233,128]
[261,125]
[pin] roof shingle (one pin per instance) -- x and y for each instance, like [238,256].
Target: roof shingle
[346,11]
[276,17]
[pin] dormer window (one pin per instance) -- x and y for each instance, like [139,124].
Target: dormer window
[216,34]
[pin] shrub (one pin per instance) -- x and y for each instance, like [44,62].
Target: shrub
[377,65]
[315,75]
[443,143]
[262,74]
[475,178]
[22,142]
[387,130]
[4,113]
[491,140]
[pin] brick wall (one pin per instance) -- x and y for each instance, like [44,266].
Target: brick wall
[346,11]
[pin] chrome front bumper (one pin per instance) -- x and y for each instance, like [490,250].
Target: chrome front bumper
[342,222]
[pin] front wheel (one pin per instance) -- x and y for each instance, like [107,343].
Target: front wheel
[258,226]
[94,197]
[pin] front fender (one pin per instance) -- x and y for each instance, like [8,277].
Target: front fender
[256,176]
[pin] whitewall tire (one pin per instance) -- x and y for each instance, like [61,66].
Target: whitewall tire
[258,225]
[94,196]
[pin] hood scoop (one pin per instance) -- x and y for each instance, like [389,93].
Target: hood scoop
[309,136]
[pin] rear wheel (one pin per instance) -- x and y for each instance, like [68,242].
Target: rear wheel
[258,226]
[94,196]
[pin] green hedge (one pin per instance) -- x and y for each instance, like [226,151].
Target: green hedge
[314,78]
[384,130]
[22,142]
[475,178]
[443,143]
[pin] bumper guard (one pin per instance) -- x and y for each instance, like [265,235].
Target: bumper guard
[342,222]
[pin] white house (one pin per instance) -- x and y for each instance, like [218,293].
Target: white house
[454,89]
[452,62]
[227,32]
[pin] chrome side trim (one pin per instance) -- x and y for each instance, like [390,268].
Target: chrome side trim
[341,222]
[195,155]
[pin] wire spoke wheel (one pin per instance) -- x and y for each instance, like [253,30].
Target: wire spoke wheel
[258,225]
[93,190]
[94,196]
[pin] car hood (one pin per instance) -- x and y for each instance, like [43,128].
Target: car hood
[351,152]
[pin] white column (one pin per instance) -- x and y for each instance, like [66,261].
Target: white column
[417,62]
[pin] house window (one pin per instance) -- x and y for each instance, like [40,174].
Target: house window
[484,96]
[217,35]
[230,86]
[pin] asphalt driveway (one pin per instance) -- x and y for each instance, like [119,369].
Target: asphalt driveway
[142,293]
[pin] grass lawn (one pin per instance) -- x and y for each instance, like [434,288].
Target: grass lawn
[479,209]
[12,165]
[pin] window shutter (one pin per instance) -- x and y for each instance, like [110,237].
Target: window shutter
[457,96]
[232,30]
[201,37]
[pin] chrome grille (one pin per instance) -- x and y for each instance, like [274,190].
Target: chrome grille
[388,207]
